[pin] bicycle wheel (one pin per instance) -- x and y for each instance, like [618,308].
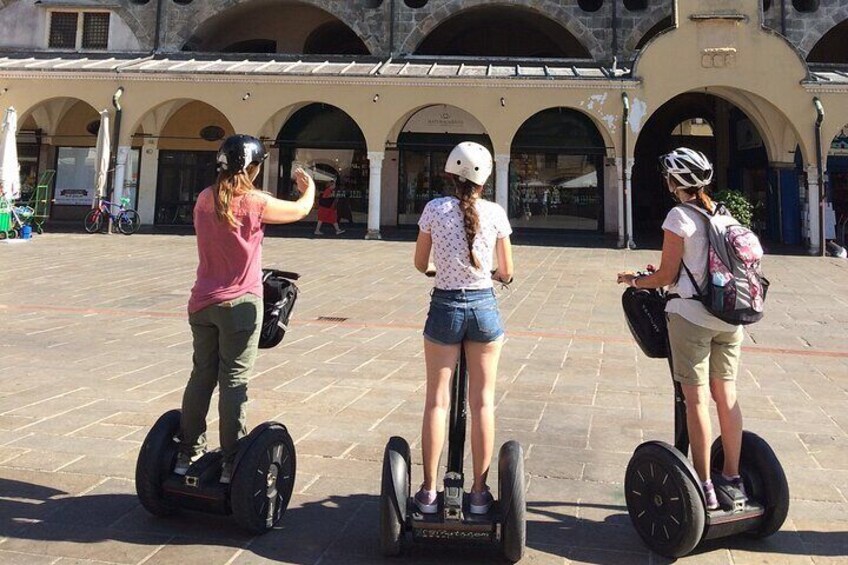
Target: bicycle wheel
[93,221]
[128,222]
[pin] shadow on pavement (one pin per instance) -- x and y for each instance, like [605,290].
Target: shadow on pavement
[326,528]
[613,541]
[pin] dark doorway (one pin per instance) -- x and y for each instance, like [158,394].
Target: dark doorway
[733,144]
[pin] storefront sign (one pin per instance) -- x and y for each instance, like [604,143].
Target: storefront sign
[443,119]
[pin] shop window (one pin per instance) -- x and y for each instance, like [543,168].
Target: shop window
[805,5]
[590,5]
[556,178]
[182,175]
[67,33]
[636,5]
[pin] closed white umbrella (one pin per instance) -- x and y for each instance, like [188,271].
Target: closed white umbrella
[102,154]
[10,169]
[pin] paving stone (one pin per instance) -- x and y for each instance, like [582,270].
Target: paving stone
[572,389]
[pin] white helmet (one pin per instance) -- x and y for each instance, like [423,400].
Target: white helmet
[690,168]
[470,161]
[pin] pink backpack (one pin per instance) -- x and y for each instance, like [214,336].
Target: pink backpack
[735,287]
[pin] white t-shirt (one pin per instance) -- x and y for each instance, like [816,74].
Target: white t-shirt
[691,225]
[442,219]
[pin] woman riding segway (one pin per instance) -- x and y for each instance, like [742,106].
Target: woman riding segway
[704,349]
[225,307]
[463,231]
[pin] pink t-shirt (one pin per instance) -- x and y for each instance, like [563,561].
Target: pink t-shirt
[230,258]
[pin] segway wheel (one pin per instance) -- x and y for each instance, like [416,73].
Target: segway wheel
[511,497]
[764,480]
[664,500]
[155,461]
[263,480]
[395,490]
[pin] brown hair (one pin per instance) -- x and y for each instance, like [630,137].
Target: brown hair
[703,198]
[465,191]
[229,185]
[700,193]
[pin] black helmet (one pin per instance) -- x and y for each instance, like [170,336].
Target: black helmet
[239,151]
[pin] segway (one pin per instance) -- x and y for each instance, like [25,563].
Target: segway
[503,526]
[263,469]
[663,493]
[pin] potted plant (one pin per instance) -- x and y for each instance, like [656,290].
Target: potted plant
[738,206]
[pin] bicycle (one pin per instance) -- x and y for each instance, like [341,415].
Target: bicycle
[127,220]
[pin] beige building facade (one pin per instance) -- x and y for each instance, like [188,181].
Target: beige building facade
[575,99]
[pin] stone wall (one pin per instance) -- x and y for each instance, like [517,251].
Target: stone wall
[370,20]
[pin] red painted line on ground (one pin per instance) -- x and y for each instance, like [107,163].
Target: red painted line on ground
[761,350]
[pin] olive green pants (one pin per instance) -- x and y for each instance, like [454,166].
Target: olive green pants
[226,341]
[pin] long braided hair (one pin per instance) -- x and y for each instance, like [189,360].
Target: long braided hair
[466,193]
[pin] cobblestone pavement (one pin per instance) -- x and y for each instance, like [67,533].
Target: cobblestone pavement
[95,346]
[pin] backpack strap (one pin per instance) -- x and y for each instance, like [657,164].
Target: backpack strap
[706,215]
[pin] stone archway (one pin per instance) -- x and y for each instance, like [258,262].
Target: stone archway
[742,156]
[555,11]
[198,24]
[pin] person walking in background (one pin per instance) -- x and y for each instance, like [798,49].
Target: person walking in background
[327,209]
[225,307]
[463,231]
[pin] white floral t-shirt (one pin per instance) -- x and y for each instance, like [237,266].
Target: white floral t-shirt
[442,219]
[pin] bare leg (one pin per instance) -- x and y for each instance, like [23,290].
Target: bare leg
[730,421]
[318,227]
[440,361]
[700,430]
[338,229]
[482,374]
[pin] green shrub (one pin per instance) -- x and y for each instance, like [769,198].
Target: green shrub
[738,206]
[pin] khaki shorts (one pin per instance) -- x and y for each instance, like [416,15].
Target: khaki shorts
[700,354]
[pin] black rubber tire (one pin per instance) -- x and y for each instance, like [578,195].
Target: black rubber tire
[663,500]
[128,222]
[93,221]
[764,479]
[392,524]
[512,501]
[155,461]
[263,481]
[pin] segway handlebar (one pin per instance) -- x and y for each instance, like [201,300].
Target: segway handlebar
[432,274]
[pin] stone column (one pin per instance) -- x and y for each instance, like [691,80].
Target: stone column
[147,179]
[502,180]
[120,171]
[813,211]
[621,199]
[628,192]
[375,183]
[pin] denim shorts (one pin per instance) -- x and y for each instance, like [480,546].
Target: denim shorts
[457,315]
